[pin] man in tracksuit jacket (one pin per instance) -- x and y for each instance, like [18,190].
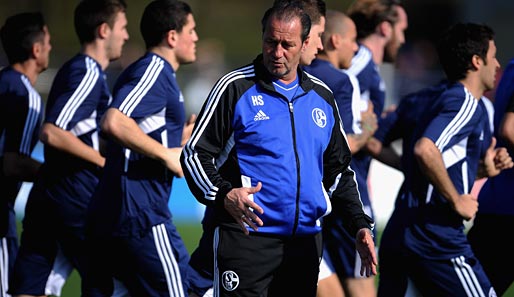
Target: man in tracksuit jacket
[269,154]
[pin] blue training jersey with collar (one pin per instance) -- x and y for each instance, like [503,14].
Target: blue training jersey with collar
[21,110]
[77,100]
[458,124]
[133,193]
[496,195]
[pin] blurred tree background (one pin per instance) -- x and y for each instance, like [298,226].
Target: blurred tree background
[229,32]
[236,23]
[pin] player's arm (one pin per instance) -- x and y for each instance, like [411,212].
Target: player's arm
[20,166]
[381,151]
[386,155]
[497,159]
[379,146]
[126,131]
[69,143]
[358,141]
[188,129]
[17,139]
[432,164]
[369,125]
[494,161]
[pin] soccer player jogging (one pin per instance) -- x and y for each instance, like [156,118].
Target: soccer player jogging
[131,234]
[400,124]
[26,42]
[496,196]
[451,146]
[270,188]
[56,208]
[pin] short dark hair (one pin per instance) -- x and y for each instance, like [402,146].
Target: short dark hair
[287,10]
[457,46]
[314,8]
[89,14]
[368,14]
[19,33]
[161,16]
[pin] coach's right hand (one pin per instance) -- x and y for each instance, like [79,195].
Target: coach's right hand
[243,209]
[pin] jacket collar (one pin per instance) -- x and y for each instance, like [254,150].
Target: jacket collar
[265,79]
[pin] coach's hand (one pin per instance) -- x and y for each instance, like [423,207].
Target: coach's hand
[366,248]
[242,209]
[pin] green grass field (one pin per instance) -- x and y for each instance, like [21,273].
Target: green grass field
[191,234]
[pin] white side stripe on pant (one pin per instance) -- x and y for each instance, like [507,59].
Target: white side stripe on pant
[216,272]
[467,277]
[4,267]
[169,263]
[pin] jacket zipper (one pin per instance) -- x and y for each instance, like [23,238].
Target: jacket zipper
[297,210]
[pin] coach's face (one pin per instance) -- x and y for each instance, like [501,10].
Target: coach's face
[282,47]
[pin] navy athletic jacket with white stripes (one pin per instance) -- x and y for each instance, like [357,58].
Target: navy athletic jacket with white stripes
[248,132]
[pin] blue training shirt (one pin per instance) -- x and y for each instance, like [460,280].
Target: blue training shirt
[458,124]
[20,122]
[133,193]
[78,98]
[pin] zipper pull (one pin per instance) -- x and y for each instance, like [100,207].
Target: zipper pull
[291,106]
